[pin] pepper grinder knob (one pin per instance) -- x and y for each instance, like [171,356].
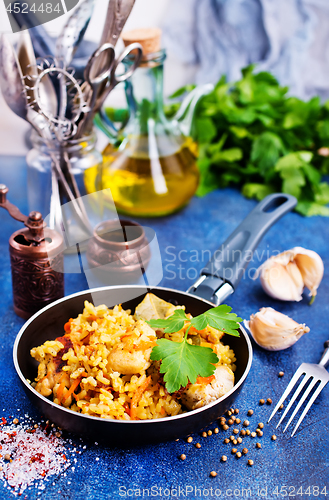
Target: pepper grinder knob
[3,193]
[36,225]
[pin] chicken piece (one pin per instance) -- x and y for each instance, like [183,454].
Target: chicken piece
[129,363]
[198,395]
[152,307]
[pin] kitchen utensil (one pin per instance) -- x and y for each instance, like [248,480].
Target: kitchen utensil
[117,14]
[116,17]
[29,69]
[73,32]
[314,377]
[48,324]
[11,79]
[34,251]
[13,87]
[68,42]
[100,80]
[103,82]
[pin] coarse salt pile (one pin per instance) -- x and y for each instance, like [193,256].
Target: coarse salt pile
[31,455]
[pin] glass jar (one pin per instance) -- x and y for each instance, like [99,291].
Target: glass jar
[85,164]
[153,172]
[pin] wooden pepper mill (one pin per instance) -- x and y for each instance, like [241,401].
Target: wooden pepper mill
[37,264]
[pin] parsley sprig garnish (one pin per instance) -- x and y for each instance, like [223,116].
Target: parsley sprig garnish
[182,362]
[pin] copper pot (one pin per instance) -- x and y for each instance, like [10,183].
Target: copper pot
[119,251]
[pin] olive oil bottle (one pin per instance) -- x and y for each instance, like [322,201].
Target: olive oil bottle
[153,172]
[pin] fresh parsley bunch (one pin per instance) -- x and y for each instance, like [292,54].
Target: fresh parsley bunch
[182,362]
[252,134]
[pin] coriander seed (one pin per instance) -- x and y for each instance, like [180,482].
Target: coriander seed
[235,431]
[189,439]
[259,432]
[204,434]
[226,440]
[239,454]
[182,457]
[236,411]
[213,473]
[216,430]
[232,438]
[237,421]
[261,425]
[225,427]
[230,422]
[253,434]
[246,423]
[250,462]
[242,432]
[7,456]
[250,412]
[245,451]
[209,433]
[258,445]
[235,441]
[233,451]
[269,401]
[198,445]
[224,458]
[229,413]
[261,401]
[281,374]
[273,437]
[15,421]
[239,440]
[248,432]
[281,407]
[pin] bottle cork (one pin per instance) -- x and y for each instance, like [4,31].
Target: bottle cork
[149,38]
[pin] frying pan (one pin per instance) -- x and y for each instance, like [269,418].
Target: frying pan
[218,280]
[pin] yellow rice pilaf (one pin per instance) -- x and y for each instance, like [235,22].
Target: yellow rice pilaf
[101,365]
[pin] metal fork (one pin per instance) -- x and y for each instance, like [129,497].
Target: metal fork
[311,373]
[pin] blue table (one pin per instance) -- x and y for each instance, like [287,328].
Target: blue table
[156,471]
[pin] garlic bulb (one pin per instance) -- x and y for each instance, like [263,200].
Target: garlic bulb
[273,330]
[284,276]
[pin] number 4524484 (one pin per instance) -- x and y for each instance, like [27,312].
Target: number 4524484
[25,8]
[292,491]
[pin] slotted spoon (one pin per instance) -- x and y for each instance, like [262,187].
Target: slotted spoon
[312,374]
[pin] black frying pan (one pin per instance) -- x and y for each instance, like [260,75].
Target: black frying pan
[218,280]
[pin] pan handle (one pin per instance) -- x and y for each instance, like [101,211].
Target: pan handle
[222,274]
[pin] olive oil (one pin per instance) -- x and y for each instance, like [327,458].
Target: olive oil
[145,185]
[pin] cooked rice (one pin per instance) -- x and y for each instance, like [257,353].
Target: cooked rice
[101,366]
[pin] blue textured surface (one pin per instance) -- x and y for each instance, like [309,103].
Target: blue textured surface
[296,463]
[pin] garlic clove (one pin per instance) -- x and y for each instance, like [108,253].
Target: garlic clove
[285,275]
[311,267]
[280,282]
[296,276]
[273,330]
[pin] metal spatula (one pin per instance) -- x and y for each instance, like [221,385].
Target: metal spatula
[312,375]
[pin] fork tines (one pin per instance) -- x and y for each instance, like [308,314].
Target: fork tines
[313,378]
